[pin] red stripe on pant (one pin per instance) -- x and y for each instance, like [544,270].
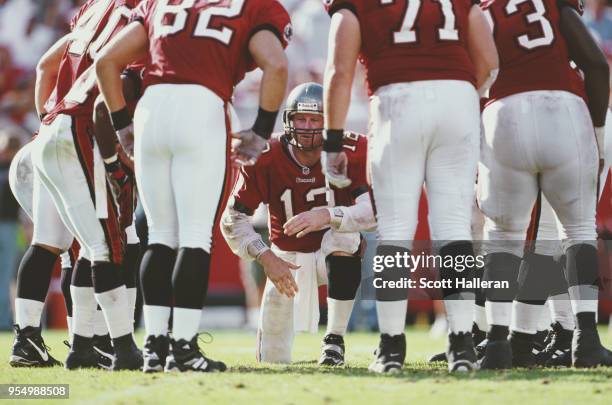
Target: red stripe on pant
[82,134]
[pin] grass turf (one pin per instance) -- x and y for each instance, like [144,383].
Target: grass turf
[304,382]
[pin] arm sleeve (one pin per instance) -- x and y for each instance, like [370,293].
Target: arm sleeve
[356,218]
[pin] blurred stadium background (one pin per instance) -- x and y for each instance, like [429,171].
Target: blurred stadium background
[29,27]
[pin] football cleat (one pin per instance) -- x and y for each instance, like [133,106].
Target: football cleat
[104,349]
[188,357]
[477,337]
[558,351]
[129,358]
[497,355]
[587,350]
[29,349]
[390,354]
[461,354]
[84,357]
[523,346]
[170,364]
[332,351]
[155,352]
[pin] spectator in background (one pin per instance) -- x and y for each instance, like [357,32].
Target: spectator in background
[598,17]
[9,216]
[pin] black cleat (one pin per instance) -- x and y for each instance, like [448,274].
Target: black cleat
[390,354]
[29,349]
[587,350]
[188,357]
[477,337]
[523,346]
[461,354]
[127,354]
[558,351]
[541,340]
[155,352]
[81,354]
[332,353]
[497,355]
[103,347]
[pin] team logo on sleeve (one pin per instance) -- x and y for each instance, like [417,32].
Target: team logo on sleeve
[288,32]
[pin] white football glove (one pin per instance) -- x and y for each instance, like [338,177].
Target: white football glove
[335,168]
[126,139]
[249,147]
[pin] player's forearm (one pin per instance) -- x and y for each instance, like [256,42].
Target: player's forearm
[268,54]
[482,50]
[355,218]
[240,235]
[589,57]
[344,46]
[47,70]
[109,83]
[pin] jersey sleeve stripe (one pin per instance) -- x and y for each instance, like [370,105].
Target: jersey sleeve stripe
[268,27]
[344,6]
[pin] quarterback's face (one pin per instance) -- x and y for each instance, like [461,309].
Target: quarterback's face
[307,121]
[308,130]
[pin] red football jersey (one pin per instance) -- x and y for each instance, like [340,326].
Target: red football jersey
[406,41]
[278,180]
[206,42]
[533,54]
[93,26]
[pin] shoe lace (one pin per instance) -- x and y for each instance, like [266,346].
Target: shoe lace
[67,343]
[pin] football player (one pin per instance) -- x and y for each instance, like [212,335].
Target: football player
[427,60]
[69,166]
[539,134]
[302,209]
[199,50]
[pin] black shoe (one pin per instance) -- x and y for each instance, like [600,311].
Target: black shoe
[497,355]
[522,345]
[477,337]
[541,340]
[390,354]
[461,354]
[188,357]
[587,350]
[332,353]
[81,354]
[155,352]
[127,354]
[558,351]
[438,358]
[481,348]
[29,349]
[104,349]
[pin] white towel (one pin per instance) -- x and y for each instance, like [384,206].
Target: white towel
[306,301]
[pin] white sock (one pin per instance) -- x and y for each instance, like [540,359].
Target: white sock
[185,323]
[460,313]
[526,317]
[70,330]
[156,319]
[28,312]
[131,294]
[338,315]
[480,318]
[392,316]
[545,319]
[561,311]
[498,313]
[114,304]
[584,298]
[83,310]
[100,328]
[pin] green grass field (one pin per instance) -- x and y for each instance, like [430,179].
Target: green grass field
[247,382]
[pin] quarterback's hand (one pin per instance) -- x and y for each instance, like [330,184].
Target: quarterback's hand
[304,223]
[279,273]
[126,139]
[335,168]
[248,148]
[122,186]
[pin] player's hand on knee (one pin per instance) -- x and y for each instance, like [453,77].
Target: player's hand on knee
[279,273]
[126,139]
[121,180]
[335,168]
[248,147]
[306,222]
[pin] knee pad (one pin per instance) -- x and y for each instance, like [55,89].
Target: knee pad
[156,275]
[34,273]
[65,284]
[106,276]
[535,275]
[275,334]
[81,274]
[581,265]
[457,273]
[502,267]
[388,281]
[131,260]
[343,276]
[190,278]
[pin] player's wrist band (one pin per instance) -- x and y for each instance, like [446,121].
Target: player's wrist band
[256,248]
[121,118]
[332,140]
[264,123]
[112,166]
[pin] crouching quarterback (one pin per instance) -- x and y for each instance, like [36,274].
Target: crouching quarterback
[314,230]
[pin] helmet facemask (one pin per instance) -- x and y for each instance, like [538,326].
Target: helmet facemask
[304,139]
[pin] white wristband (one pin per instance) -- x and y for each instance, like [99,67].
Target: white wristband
[256,248]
